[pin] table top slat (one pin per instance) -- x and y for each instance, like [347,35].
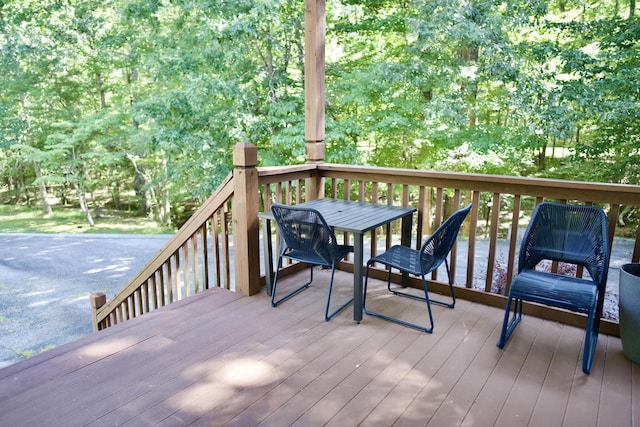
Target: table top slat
[353,217]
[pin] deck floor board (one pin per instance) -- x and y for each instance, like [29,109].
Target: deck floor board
[220,358]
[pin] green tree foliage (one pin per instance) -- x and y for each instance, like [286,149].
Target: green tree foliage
[149,97]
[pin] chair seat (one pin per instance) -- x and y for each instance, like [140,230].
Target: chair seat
[561,291]
[402,258]
[314,258]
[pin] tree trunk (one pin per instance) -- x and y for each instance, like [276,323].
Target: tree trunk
[83,203]
[542,155]
[140,185]
[164,209]
[471,54]
[103,99]
[115,194]
[46,207]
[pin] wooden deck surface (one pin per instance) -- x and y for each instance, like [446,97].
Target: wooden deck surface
[223,359]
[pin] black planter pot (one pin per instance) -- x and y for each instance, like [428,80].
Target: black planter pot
[629,305]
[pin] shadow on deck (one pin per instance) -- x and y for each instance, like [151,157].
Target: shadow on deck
[222,358]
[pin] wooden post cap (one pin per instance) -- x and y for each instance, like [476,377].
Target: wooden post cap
[314,151]
[98,299]
[245,154]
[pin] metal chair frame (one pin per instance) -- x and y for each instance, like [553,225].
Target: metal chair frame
[432,254]
[307,238]
[563,233]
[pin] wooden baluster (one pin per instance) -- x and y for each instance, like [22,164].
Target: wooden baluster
[195,258]
[289,193]
[299,191]
[186,279]
[267,197]
[144,296]
[226,260]
[453,259]
[513,241]
[334,188]
[421,217]
[439,202]
[161,285]
[374,232]
[493,240]
[170,278]
[472,237]
[205,255]
[215,235]
[178,273]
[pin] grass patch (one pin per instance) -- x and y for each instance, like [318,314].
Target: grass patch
[20,219]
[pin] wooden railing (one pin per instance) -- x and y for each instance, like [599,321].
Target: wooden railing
[483,262]
[485,258]
[195,259]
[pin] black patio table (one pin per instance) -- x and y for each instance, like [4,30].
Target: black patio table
[356,218]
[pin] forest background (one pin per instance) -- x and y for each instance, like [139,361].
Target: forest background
[136,104]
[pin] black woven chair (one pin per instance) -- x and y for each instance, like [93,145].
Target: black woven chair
[574,235]
[432,254]
[307,238]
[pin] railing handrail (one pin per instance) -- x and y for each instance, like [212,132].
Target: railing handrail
[554,188]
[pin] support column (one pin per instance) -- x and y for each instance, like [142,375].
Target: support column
[245,219]
[314,89]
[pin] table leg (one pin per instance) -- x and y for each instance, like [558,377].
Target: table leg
[268,254]
[357,276]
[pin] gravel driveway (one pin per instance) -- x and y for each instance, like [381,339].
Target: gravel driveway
[46,279]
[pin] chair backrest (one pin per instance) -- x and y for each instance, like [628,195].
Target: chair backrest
[305,230]
[567,233]
[436,248]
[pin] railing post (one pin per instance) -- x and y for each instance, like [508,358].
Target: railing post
[97,300]
[245,219]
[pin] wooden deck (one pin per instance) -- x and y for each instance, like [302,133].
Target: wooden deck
[223,359]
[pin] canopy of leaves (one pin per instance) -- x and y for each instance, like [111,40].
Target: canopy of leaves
[151,96]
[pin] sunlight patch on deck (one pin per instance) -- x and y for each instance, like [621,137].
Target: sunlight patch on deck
[107,347]
[216,380]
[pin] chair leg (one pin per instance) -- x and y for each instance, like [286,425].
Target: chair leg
[328,316]
[509,325]
[275,302]
[451,304]
[590,343]
[393,319]
[366,280]
[591,337]
[428,302]
[364,292]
